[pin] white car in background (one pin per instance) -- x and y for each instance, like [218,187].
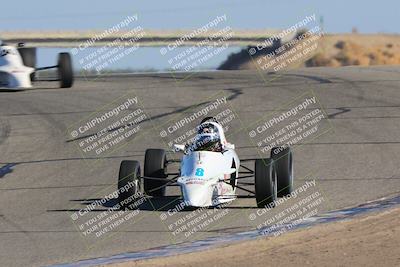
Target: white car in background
[18,67]
[210,172]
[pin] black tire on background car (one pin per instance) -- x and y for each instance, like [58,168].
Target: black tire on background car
[283,158]
[129,174]
[65,73]
[265,182]
[155,165]
[28,55]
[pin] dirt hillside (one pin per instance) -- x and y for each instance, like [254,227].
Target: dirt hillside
[332,50]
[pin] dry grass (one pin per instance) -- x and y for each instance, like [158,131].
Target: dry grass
[333,51]
[355,49]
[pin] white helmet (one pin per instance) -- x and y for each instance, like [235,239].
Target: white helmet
[208,138]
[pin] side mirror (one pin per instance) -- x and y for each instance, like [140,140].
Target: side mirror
[178,148]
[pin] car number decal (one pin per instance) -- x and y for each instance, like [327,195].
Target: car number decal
[199,172]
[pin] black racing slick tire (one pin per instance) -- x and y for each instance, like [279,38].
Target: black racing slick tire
[128,182]
[265,182]
[155,166]
[65,72]
[283,159]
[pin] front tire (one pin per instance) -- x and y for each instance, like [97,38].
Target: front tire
[265,182]
[155,165]
[65,73]
[128,182]
[283,159]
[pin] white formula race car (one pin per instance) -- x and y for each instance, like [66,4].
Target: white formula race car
[210,172]
[18,67]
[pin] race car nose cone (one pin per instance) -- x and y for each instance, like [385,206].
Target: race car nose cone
[197,195]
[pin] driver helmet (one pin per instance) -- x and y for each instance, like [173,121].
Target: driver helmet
[207,138]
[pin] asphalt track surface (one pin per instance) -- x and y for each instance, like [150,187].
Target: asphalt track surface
[44,178]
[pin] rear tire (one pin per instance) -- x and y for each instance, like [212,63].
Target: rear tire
[155,165]
[129,173]
[265,182]
[283,159]
[65,73]
[28,56]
